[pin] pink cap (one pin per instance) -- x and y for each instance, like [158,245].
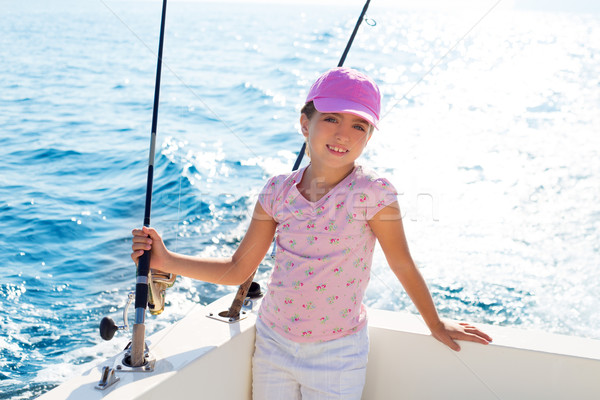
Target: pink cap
[345,90]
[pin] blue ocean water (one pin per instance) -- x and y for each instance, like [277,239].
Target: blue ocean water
[490,134]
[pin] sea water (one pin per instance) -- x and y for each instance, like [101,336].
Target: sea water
[490,133]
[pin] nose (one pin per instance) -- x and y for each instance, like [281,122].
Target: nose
[342,133]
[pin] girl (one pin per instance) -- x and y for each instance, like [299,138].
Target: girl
[311,339]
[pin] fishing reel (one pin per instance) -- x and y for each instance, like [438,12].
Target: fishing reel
[159,282]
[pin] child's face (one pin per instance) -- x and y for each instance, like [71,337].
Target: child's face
[335,139]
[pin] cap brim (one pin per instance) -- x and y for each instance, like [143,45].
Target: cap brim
[332,105]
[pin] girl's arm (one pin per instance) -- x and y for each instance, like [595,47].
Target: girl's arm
[388,228]
[232,270]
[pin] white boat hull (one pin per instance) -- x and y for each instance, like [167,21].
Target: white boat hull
[200,357]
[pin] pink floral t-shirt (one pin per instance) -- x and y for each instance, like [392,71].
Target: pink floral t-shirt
[324,255]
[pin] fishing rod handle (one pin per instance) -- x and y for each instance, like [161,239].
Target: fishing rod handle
[138,345]
[141,284]
[240,296]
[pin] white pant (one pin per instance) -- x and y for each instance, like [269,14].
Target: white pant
[285,370]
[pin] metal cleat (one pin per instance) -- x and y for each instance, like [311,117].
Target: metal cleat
[108,378]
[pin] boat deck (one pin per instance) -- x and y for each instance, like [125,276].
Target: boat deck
[199,357]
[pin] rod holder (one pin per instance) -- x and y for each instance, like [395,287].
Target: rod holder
[249,290]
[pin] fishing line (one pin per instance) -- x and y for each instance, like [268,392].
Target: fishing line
[217,117]
[422,322]
[454,353]
[178,212]
[439,61]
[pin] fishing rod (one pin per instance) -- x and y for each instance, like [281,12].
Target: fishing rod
[150,285]
[143,269]
[249,288]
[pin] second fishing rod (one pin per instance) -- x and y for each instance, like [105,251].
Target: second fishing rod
[234,311]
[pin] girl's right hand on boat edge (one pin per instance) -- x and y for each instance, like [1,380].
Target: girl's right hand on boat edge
[148,239]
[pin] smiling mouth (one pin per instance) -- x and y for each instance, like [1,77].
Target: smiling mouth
[337,149]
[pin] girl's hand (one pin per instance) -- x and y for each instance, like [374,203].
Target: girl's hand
[449,331]
[148,239]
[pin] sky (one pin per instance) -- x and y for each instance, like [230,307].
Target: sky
[577,6]
[548,5]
